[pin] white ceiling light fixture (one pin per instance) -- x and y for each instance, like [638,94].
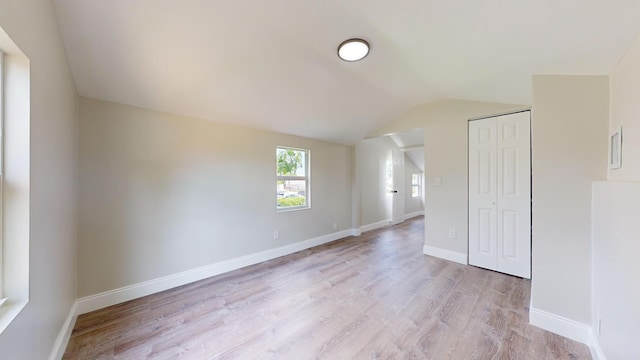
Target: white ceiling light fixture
[353,49]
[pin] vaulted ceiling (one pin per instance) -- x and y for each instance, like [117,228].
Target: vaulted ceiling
[273,64]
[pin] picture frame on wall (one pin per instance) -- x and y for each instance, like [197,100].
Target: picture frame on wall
[615,149]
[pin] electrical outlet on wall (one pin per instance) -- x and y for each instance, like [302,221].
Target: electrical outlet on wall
[276,234]
[452,233]
[335,226]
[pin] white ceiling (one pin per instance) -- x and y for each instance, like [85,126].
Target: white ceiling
[273,64]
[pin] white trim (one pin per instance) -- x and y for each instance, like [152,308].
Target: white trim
[62,340]
[16,160]
[568,328]
[454,256]
[1,174]
[10,311]
[560,325]
[306,178]
[413,214]
[615,149]
[375,225]
[126,293]
[524,109]
[596,350]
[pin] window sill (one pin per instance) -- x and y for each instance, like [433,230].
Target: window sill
[8,312]
[289,209]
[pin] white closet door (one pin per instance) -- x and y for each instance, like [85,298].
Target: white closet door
[514,194]
[500,219]
[482,194]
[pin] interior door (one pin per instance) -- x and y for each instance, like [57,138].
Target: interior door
[482,194]
[500,194]
[397,215]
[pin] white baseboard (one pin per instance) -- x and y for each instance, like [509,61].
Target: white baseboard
[568,328]
[413,214]
[126,293]
[596,350]
[560,325]
[454,256]
[387,222]
[375,225]
[65,333]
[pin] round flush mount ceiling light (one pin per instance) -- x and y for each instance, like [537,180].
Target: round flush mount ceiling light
[353,49]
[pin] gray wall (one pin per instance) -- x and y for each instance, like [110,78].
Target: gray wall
[32,25]
[161,194]
[616,293]
[569,152]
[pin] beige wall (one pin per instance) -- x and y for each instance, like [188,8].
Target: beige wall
[616,294]
[32,25]
[162,194]
[569,152]
[445,128]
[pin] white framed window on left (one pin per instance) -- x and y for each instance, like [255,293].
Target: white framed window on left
[14,180]
[292,179]
[2,297]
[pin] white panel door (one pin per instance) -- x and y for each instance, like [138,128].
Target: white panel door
[482,194]
[398,187]
[514,194]
[510,202]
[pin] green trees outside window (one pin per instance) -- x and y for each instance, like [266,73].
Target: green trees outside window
[292,173]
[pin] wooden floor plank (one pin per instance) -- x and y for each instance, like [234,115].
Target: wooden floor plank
[369,297]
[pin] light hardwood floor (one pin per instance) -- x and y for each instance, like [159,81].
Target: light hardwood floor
[370,297]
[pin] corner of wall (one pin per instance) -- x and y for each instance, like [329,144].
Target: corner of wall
[568,328]
[596,350]
[64,335]
[560,325]
[445,254]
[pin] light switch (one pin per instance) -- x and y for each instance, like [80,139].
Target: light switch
[437,181]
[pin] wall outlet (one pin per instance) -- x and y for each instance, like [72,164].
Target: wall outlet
[452,233]
[437,181]
[276,235]
[335,226]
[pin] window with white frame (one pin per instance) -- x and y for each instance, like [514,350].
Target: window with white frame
[292,179]
[15,177]
[416,185]
[2,297]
